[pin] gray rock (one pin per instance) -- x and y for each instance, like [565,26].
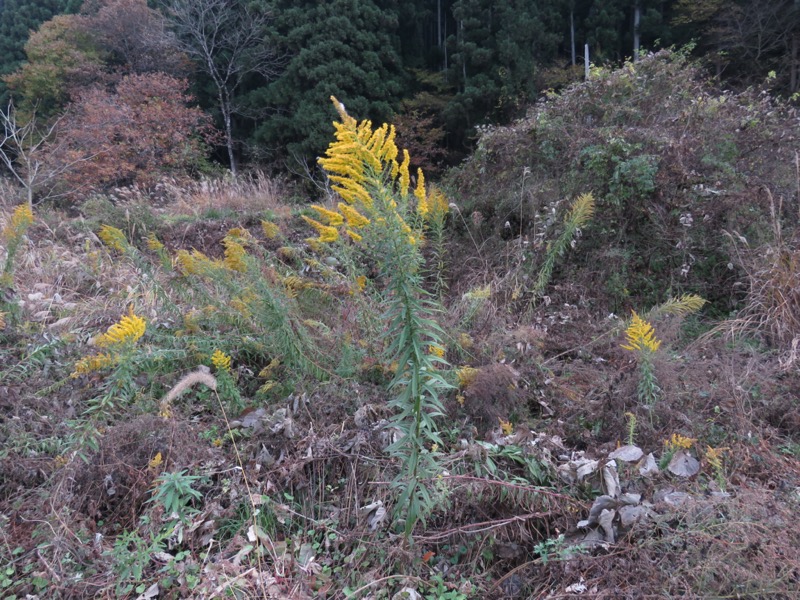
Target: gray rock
[627,454]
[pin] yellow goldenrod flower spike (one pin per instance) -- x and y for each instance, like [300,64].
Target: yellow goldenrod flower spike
[341,110]
[326,233]
[113,238]
[270,229]
[682,306]
[437,204]
[466,376]
[221,360]
[153,243]
[679,442]
[506,426]
[333,218]
[20,220]
[90,364]
[641,335]
[419,191]
[354,218]
[155,462]
[582,210]
[192,263]
[436,350]
[714,456]
[405,178]
[129,329]
[234,255]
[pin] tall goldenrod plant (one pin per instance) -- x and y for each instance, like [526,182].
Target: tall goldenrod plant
[12,236]
[433,209]
[385,217]
[578,216]
[641,339]
[118,346]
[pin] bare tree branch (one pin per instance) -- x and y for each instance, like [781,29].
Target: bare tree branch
[25,149]
[228,41]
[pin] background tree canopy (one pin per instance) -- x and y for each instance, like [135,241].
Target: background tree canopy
[436,67]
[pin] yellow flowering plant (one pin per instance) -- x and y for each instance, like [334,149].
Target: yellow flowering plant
[119,357]
[11,237]
[641,339]
[127,331]
[578,216]
[362,164]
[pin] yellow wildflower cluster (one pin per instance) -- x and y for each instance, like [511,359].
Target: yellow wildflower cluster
[92,363]
[113,238]
[234,254]
[359,156]
[436,350]
[221,360]
[18,224]
[124,333]
[327,233]
[465,376]
[434,207]
[153,243]
[678,442]
[682,306]
[240,234]
[270,368]
[270,229]
[194,263]
[127,331]
[480,293]
[506,426]
[465,341]
[361,283]
[714,457]
[359,162]
[641,336]
[331,217]
[354,218]
[294,285]
[243,303]
[155,462]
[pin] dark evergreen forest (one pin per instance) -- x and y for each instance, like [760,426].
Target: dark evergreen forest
[438,68]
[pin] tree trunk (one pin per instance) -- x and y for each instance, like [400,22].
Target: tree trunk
[572,34]
[637,17]
[225,106]
[463,57]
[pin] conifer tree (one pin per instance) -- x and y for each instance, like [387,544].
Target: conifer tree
[346,48]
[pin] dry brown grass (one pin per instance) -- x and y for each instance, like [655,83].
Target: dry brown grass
[254,191]
[772,310]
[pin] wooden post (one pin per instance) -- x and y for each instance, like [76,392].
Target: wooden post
[586,61]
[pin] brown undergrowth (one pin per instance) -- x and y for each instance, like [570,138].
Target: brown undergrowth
[280,477]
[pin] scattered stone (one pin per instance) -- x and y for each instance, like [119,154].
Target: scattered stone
[684,464]
[627,454]
[610,479]
[648,466]
[606,522]
[630,515]
[586,469]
